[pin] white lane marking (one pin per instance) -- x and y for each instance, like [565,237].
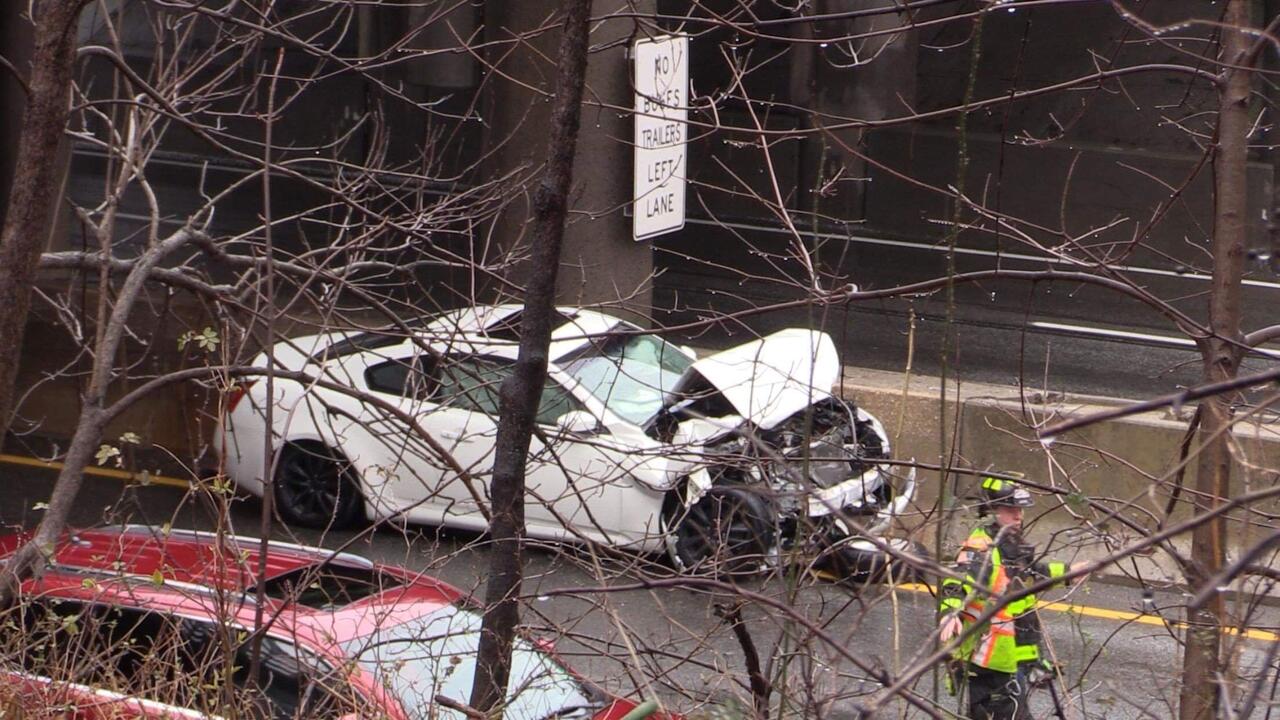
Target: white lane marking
[1130,335]
[974,251]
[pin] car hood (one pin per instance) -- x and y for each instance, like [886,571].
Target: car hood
[768,380]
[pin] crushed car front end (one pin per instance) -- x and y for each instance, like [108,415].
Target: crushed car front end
[779,468]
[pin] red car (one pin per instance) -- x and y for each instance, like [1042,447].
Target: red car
[134,621]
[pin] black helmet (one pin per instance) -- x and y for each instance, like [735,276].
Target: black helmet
[1003,493]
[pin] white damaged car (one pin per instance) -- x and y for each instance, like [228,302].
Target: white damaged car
[733,459]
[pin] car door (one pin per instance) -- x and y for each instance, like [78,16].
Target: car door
[566,478]
[572,476]
[463,418]
[409,474]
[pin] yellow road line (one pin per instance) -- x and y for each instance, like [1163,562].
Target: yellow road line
[98,471]
[1122,615]
[1144,619]
[1066,608]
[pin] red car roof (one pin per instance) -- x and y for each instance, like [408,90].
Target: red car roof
[193,572]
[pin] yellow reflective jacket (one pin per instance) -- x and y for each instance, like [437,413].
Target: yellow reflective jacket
[1012,636]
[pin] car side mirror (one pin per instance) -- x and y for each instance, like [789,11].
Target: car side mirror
[579,423]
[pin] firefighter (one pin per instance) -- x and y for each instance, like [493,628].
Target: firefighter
[994,662]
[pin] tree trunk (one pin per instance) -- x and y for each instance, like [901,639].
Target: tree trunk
[1202,659]
[1270,9]
[36,179]
[518,403]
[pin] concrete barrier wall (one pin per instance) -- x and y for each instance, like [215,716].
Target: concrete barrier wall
[53,372]
[1128,465]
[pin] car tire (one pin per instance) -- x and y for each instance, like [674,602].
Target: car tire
[729,531]
[315,487]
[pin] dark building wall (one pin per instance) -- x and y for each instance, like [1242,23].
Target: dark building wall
[1098,161]
[1093,158]
[427,120]
[1087,158]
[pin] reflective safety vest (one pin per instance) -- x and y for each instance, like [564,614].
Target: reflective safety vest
[1012,636]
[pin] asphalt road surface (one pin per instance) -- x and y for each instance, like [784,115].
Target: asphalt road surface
[1060,336]
[1004,349]
[672,642]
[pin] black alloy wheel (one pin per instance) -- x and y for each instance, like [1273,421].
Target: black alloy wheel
[729,531]
[314,487]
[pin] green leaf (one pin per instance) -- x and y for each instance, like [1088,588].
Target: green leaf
[208,339]
[88,583]
[131,437]
[107,452]
[157,578]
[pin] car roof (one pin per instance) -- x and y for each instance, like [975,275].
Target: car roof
[195,573]
[491,330]
[494,330]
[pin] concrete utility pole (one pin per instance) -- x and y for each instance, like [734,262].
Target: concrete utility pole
[599,261]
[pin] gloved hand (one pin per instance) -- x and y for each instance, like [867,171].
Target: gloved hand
[950,627]
[1040,672]
[1079,578]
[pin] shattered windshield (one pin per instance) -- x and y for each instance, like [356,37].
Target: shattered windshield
[436,655]
[630,374]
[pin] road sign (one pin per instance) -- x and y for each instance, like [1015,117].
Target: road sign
[661,111]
